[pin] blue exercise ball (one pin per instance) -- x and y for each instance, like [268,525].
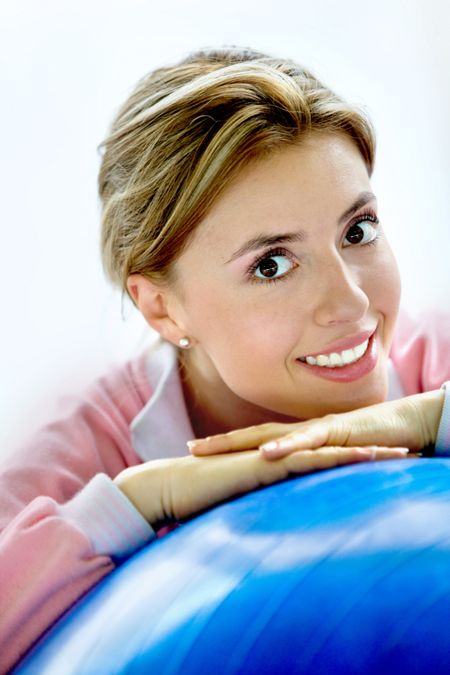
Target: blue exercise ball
[339,572]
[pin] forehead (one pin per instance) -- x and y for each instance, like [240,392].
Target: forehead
[298,186]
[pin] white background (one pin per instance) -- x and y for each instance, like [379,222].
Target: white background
[66,67]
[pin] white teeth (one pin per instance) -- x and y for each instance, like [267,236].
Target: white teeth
[360,349]
[337,360]
[348,355]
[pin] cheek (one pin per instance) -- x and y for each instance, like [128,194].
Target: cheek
[242,329]
[383,287]
[387,278]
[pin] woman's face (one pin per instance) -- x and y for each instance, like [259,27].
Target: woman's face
[257,308]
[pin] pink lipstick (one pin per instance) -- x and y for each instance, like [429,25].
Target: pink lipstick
[352,371]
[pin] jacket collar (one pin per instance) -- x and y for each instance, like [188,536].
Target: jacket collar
[162,428]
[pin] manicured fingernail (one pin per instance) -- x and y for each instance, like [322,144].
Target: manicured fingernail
[269,447]
[192,444]
[368,453]
[274,446]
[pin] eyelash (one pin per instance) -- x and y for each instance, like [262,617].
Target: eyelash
[362,218]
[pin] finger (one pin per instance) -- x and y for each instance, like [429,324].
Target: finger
[325,458]
[390,453]
[312,435]
[336,430]
[329,457]
[307,435]
[239,439]
[370,451]
[363,426]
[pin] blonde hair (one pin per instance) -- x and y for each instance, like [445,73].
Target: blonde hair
[184,134]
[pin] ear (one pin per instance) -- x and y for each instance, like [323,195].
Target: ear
[156,303]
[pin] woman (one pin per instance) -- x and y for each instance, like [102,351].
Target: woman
[239,217]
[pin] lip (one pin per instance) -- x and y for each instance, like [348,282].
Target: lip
[345,343]
[353,371]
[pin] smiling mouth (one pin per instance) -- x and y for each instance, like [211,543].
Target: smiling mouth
[337,359]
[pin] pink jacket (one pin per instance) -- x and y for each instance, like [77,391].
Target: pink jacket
[64,524]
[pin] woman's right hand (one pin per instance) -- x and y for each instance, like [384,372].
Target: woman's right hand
[175,489]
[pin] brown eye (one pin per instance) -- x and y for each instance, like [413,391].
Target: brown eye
[271,265]
[268,267]
[355,234]
[361,233]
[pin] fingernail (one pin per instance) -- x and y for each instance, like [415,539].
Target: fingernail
[368,453]
[192,444]
[269,447]
[273,446]
[396,451]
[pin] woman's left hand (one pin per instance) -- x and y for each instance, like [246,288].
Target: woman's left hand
[411,422]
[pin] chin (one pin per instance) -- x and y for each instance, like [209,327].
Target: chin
[341,398]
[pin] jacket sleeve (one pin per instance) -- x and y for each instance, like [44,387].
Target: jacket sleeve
[63,522]
[421,351]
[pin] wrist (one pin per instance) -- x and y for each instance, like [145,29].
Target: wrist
[142,486]
[432,405]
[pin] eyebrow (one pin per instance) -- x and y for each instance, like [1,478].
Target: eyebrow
[263,240]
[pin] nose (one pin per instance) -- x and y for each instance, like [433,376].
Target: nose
[340,296]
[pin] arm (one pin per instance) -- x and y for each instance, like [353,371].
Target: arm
[57,545]
[64,523]
[411,422]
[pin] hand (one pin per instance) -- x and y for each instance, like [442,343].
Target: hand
[175,489]
[409,422]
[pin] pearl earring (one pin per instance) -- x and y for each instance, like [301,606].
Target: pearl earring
[185,343]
